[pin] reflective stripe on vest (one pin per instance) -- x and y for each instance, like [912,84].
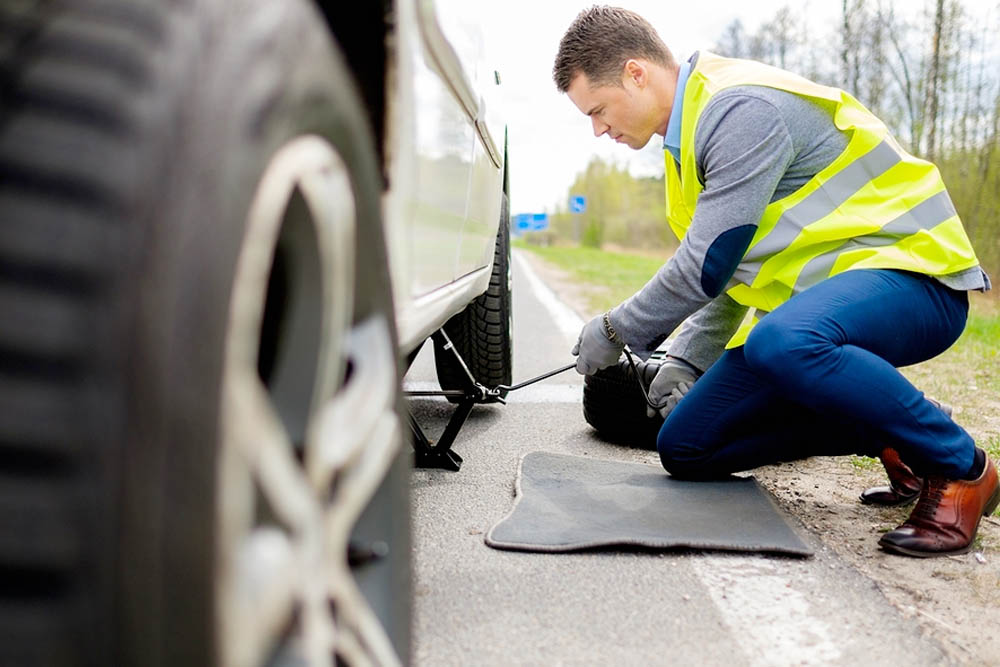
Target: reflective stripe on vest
[874,206]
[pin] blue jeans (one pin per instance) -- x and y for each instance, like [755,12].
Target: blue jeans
[818,377]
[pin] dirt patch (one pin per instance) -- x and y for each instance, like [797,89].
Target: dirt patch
[955,599]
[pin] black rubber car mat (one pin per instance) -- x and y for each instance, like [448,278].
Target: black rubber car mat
[568,503]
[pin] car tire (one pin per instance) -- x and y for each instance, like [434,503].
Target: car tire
[201,441]
[614,405]
[483,333]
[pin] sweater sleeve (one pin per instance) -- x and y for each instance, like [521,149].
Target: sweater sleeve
[703,338]
[742,149]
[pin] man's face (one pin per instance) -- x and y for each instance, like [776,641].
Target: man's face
[624,113]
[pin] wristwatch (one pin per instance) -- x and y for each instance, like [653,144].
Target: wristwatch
[610,332]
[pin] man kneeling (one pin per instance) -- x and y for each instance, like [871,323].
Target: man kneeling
[791,201]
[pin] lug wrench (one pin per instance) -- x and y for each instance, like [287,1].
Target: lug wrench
[631,362]
[557,371]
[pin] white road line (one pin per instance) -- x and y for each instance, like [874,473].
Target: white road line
[567,321]
[771,620]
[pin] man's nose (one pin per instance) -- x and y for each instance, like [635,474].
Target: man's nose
[599,127]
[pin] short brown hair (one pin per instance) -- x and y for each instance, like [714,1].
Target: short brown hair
[601,40]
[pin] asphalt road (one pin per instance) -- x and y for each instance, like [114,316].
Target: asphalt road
[475,605]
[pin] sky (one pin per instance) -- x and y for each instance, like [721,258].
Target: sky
[550,141]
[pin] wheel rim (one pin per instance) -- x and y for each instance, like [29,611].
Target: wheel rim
[308,433]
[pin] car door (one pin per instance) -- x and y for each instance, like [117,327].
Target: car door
[444,134]
[456,42]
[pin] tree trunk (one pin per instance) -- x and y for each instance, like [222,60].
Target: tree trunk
[934,92]
[845,48]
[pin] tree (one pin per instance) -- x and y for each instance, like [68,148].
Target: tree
[934,80]
[875,43]
[732,43]
[783,29]
[621,209]
[852,14]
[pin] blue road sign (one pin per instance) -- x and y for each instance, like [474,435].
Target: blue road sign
[577,204]
[530,222]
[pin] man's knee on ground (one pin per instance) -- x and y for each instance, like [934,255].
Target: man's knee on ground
[680,459]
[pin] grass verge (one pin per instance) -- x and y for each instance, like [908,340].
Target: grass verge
[614,276]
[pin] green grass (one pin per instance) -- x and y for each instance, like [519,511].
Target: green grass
[613,276]
[865,463]
[984,326]
[981,341]
[992,447]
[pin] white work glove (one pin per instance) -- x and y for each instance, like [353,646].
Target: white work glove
[597,348]
[673,380]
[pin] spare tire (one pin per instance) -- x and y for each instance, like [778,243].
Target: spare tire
[613,403]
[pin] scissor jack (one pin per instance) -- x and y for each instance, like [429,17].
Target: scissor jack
[440,454]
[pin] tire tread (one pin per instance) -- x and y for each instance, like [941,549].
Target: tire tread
[614,406]
[71,77]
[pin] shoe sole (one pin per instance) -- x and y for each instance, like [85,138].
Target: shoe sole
[988,509]
[873,503]
[903,551]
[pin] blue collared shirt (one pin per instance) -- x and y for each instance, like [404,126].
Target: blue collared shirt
[672,139]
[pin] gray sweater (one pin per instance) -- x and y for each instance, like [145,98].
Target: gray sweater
[753,145]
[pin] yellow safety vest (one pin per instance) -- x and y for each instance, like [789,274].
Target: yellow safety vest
[875,206]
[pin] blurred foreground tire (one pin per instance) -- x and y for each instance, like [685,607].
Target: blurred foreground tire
[200,417]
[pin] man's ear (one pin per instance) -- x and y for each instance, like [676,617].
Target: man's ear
[637,72]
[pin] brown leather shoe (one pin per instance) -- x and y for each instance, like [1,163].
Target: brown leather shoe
[946,517]
[904,486]
[943,407]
